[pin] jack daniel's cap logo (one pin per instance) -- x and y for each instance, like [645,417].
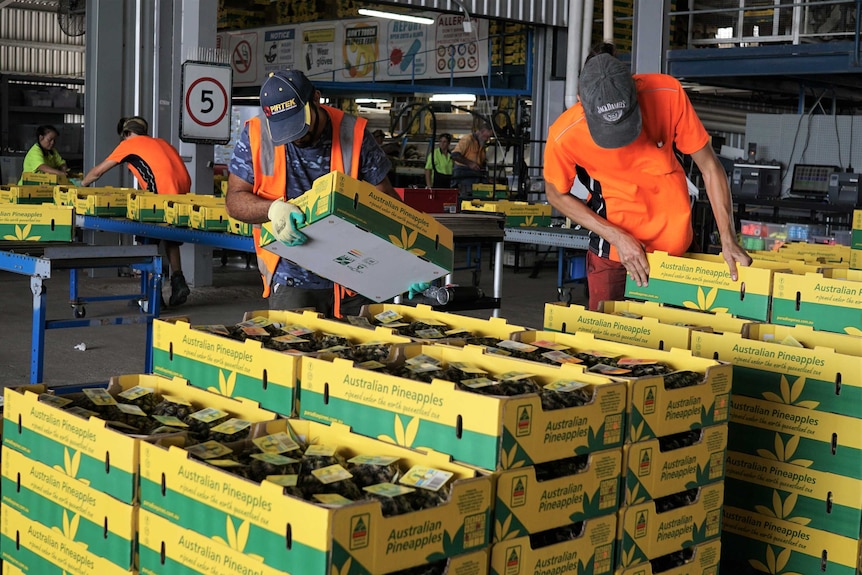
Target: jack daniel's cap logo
[609,96]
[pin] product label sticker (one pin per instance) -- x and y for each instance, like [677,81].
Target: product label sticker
[636,361]
[169,420]
[297,330]
[256,321]
[254,331]
[274,458]
[289,338]
[436,322]
[387,316]
[136,392]
[424,368]
[332,499]
[54,400]
[99,396]
[791,341]
[514,376]
[359,321]
[279,442]
[599,353]
[496,351]
[477,382]
[225,463]
[561,357]
[209,414]
[334,349]
[231,426]
[130,409]
[516,345]
[209,450]
[284,480]
[426,477]
[420,359]
[396,324]
[320,450]
[388,489]
[467,368]
[564,385]
[606,369]
[457,331]
[381,460]
[629,314]
[331,474]
[429,333]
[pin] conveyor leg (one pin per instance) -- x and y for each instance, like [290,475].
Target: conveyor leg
[154,290]
[498,275]
[37,352]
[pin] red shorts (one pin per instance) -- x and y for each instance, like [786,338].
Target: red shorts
[606,279]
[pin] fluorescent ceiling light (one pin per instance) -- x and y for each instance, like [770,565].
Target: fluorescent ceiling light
[396,16]
[453,98]
[370,100]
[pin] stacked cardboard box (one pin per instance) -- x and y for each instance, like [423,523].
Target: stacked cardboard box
[70,481]
[13,194]
[794,465]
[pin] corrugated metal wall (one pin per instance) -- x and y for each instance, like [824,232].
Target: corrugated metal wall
[546,12]
[31,42]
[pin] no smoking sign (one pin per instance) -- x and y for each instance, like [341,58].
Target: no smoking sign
[205,115]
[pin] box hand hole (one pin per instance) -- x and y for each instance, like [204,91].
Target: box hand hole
[459,427]
[838,383]
[264,379]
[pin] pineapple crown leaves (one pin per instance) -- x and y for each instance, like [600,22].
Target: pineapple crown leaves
[71,464]
[406,241]
[237,537]
[705,301]
[509,459]
[344,570]
[852,330]
[774,564]
[634,495]
[783,452]
[790,394]
[451,546]
[404,435]
[22,234]
[508,529]
[782,510]
[226,385]
[529,222]
[633,555]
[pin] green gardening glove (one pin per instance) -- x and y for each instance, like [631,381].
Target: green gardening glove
[417,288]
[286,218]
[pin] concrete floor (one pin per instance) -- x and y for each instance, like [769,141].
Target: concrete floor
[119,349]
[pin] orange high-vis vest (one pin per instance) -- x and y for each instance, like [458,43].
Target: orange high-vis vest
[270,171]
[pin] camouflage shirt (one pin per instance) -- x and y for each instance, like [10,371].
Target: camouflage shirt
[304,165]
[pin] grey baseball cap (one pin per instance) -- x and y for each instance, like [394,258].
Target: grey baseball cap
[610,99]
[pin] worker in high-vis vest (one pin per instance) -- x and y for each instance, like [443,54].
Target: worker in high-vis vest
[277,158]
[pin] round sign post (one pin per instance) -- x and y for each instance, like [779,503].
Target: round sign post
[205,114]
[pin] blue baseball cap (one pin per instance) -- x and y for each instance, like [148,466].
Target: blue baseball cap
[284,99]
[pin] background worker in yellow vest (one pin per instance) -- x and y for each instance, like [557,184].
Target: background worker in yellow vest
[277,160]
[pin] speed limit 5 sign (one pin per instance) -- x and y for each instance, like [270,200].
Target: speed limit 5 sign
[205,116]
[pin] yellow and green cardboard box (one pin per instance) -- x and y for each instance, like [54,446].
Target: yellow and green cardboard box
[143,206]
[364,239]
[653,410]
[491,432]
[518,214]
[817,499]
[35,223]
[812,377]
[796,435]
[651,473]
[704,561]
[647,534]
[296,536]
[831,301]
[88,449]
[27,546]
[179,206]
[526,505]
[13,194]
[779,546]
[591,552]
[705,286]
[45,495]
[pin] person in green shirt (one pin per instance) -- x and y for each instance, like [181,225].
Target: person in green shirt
[438,166]
[42,157]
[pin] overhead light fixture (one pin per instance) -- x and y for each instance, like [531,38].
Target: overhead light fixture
[396,16]
[453,98]
[370,100]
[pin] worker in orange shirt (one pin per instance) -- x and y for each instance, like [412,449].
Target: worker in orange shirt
[158,168]
[619,141]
